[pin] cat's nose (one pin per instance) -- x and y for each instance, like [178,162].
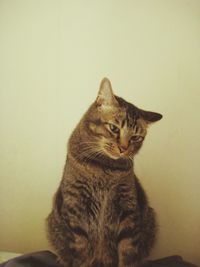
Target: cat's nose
[122,149]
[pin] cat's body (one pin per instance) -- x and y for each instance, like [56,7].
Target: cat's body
[101,216]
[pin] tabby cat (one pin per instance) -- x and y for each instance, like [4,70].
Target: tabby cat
[100,215]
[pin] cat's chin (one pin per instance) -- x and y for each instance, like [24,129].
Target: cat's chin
[117,156]
[112,156]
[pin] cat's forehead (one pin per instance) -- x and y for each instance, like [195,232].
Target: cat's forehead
[121,116]
[124,113]
[127,111]
[113,113]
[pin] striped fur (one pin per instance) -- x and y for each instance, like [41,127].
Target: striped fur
[100,215]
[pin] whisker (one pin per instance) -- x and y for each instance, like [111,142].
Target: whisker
[87,153]
[93,155]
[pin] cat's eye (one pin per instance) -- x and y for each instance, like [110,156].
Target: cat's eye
[137,138]
[114,128]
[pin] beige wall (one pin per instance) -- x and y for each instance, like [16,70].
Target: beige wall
[53,55]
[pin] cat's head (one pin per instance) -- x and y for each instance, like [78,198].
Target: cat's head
[113,128]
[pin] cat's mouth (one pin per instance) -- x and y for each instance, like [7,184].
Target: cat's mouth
[114,152]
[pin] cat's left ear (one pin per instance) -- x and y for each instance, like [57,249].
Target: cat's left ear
[150,116]
[105,96]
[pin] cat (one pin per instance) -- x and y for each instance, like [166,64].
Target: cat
[100,215]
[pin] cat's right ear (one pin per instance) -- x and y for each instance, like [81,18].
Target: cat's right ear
[105,96]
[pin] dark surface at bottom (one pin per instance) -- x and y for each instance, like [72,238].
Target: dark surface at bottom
[48,259]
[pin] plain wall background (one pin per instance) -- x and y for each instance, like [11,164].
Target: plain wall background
[53,54]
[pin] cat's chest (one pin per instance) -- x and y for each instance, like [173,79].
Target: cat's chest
[102,194]
[98,197]
[111,196]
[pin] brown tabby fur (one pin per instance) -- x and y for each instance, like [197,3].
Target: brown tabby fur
[100,216]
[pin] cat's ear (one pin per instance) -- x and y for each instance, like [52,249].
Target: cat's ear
[150,116]
[105,96]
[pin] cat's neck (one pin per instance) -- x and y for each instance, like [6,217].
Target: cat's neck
[104,167]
